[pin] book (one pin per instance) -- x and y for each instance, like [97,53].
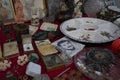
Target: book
[68,46]
[45,47]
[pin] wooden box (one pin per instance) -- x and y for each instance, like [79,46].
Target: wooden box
[52,62]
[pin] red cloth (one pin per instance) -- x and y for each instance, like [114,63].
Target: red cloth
[21,69]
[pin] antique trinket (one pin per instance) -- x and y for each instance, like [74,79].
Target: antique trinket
[27,43]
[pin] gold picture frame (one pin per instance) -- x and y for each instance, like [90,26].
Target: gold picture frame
[10,49]
[30,7]
[7,13]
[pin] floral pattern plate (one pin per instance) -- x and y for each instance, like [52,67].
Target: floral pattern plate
[90,30]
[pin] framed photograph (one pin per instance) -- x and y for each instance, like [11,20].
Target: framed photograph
[33,7]
[6,11]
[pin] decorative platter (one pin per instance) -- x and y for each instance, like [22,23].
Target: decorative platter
[90,30]
[110,71]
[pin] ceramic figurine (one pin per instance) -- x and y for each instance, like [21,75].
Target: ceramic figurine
[77,10]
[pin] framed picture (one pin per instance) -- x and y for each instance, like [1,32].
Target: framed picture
[33,7]
[6,11]
[10,49]
[52,62]
[53,7]
[19,16]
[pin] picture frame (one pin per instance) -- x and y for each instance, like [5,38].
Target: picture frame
[18,8]
[52,62]
[7,13]
[10,49]
[35,7]
[53,7]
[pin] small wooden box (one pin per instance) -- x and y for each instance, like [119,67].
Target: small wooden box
[10,49]
[52,62]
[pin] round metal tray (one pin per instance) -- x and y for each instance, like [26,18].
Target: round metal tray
[90,30]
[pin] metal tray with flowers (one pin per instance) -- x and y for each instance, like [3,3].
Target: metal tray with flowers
[90,30]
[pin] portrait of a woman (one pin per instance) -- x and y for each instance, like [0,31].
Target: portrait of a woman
[6,11]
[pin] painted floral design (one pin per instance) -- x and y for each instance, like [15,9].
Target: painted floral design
[106,34]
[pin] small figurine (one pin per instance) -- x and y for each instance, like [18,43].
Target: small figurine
[77,10]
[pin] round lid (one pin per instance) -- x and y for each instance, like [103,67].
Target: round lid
[21,27]
[100,56]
